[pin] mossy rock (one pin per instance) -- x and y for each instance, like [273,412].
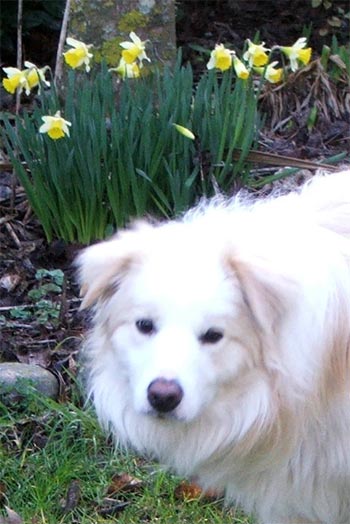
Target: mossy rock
[18,380]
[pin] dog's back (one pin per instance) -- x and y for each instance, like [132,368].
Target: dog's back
[329,197]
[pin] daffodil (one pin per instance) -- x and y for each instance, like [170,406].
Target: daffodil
[15,79]
[297,53]
[240,68]
[271,73]
[55,126]
[127,70]
[220,58]
[34,75]
[256,54]
[134,50]
[24,80]
[184,131]
[79,54]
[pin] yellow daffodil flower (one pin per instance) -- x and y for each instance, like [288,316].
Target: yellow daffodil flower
[271,73]
[79,55]
[55,126]
[127,70]
[297,53]
[34,75]
[134,50]
[240,68]
[15,79]
[220,58]
[256,54]
[184,131]
[24,80]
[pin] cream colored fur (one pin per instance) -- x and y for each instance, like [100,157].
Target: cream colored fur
[265,412]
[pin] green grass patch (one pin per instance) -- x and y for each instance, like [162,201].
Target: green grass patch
[57,467]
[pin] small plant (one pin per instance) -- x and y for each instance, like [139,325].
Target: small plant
[336,61]
[90,164]
[124,157]
[44,306]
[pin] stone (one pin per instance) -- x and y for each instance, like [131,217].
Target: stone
[106,23]
[16,380]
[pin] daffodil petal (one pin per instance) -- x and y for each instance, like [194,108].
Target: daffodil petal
[74,57]
[32,78]
[130,55]
[220,58]
[11,71]
[55,133]
[55,126]
[304,55]
[240,69]
[127,45]
[10,85]
[73,42]
[137,40]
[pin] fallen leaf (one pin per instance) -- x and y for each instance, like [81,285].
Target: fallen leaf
[191,491]
[9,281]
[124,483]
[110,507]
[72,497]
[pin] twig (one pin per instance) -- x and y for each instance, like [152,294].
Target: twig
[63,33]
[4,219]
[13,234]
[19,326]
[10,308]
[19,49]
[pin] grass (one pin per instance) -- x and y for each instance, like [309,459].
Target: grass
[57,467]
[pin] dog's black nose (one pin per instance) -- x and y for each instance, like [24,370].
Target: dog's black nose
[164,395]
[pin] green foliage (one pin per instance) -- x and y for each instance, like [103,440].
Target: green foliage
[44,306]
[46,448]
[336,61]
[124,157]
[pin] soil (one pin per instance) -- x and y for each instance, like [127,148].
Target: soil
[27,335]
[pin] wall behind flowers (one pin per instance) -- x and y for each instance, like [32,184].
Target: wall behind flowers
[198,23]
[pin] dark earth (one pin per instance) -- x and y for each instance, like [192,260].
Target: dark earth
[49,333]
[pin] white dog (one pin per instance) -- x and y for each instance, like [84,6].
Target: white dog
[221,346]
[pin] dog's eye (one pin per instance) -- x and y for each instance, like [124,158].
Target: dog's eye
[145,326]
[212,336]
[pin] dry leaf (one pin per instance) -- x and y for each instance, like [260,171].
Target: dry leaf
[72,497]
[2,491]
[125,483]
[9,281]
[191,491]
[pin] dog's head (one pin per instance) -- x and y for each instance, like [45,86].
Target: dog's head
[186,317]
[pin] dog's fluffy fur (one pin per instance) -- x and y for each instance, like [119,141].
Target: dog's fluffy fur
[264,411]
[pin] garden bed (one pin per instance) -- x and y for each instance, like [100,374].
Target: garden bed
[40,319]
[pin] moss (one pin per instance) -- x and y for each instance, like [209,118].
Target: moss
[108,24]
[132,21]
[110,51]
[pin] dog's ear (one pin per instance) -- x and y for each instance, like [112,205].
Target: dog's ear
[103,265]
[266,291]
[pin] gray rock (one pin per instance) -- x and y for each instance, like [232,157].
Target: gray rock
[17,380]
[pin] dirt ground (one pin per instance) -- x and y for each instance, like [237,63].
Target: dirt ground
[50,333]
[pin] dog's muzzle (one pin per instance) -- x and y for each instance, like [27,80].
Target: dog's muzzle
[164,395]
